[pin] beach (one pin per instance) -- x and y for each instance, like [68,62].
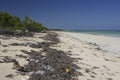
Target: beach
[108,43]
[82,56]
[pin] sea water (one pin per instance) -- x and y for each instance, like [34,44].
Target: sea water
[112,33]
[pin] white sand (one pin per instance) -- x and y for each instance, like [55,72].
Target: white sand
[12,51]
[95,64]
[105,42]
[82,46]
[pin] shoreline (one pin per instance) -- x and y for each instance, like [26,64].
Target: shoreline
[106,33]
[93,55]
[107,43]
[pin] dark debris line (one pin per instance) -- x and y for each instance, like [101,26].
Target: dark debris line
[55,65]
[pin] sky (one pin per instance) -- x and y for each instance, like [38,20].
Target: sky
[68,14]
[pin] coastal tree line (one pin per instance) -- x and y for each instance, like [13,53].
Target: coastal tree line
[10,23]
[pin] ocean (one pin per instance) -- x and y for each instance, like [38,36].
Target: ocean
[111,33]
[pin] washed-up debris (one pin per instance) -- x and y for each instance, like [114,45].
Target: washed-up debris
[87,70]
[33,54]
[54,65]
[14,44]
[1,61]
[92,76]
[22,44]
[5,50]
[7,59]
[36,61]
[10,76]
[50,68]
[21,56]
[80,58]
[5,45]
[67,70]
[98,48]
[17,66]
[40,72]
[109,79]
[41,45]
[35,45]
[95,67]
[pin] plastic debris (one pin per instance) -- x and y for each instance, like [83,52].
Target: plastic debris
[36,61]
[67,70]
[50,68]
[40,72]
[44,66]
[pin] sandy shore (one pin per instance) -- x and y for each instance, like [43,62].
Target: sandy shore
[97,56]
[100,55]
[6,49]
[105,42]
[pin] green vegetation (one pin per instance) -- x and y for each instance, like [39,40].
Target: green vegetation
[10,23]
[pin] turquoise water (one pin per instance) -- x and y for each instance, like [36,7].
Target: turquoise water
[112,33]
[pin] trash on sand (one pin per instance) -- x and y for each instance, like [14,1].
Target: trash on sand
[36,61]
[44,66]
[50,68]
[40,72]
[67,70]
